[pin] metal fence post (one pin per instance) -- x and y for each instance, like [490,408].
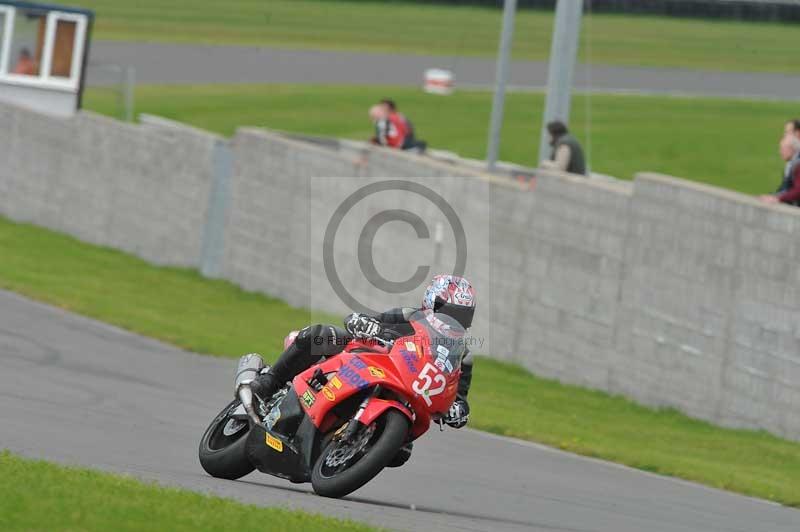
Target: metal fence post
[503,53]
[213,250]
[128,87]
[561,66]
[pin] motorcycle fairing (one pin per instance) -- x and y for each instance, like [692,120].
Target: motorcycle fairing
[291,415]
[349,374]
[284,463]
[293,457]
[376,407]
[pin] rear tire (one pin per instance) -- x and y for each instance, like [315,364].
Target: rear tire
[391,431]
[221,455]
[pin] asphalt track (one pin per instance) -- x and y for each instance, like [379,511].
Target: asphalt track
[81,392]
[193,63]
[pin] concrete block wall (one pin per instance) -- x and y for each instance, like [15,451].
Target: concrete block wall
[678,286]
[669,292]
[266,234]
[760,382]
[143,190]
[280,187]
[508,284]
[639,289]
[711,306]
[380,162]
[576,240]
[749,317]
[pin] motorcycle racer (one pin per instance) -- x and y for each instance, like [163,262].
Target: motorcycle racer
[447,294]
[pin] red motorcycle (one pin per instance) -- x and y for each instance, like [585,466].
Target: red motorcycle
[340,422]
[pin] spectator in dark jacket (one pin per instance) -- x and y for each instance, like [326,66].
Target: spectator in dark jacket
[789,191]
[792,127]
[567,154]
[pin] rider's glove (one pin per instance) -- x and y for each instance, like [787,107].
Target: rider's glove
[362,326]
[458,415]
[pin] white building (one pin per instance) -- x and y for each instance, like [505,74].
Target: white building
[43,54]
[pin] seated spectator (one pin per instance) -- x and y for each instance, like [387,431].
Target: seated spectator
[410,141]
[789,191]
[567,154]
[25,64]
[392,129]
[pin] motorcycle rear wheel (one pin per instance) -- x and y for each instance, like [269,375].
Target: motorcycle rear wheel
[224,455]
[383,438]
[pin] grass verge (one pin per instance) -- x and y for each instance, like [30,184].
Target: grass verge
[37,495]
[722,142]
[449,31]
[218,318]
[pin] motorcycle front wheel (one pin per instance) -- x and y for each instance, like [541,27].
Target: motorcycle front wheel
[222,448]
[343,467]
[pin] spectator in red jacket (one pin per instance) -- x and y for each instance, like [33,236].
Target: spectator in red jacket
[789,191]
[393,129]
[390,128]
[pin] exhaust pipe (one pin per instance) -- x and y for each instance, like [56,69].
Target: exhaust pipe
[246,397]
[249,368]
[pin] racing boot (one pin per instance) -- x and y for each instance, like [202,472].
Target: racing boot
[402,455]
[266,385]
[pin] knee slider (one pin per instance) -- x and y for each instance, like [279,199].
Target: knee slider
[320,340]
[310,336]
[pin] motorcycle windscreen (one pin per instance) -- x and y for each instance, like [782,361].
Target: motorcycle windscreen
[447,338]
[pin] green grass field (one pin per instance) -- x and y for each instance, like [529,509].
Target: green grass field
[727,143]
[39,496]
[218,318]
[447,31]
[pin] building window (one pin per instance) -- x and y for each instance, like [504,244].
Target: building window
[41,48]
[27,42]
[63,48]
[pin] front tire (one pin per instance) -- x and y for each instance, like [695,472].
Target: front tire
[384,438]
[222,448]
